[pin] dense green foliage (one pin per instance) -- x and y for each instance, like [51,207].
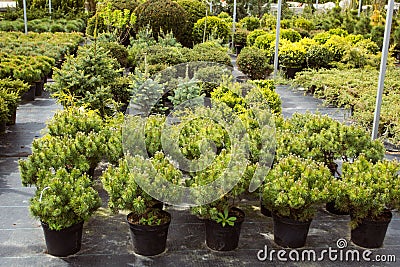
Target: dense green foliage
[64,198]
[368,189]
[253,62]
[87,80]
[356,89]
[295,187]
[215,28]
[163,15]
[44,25]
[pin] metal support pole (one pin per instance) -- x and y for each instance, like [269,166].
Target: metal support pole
[234,25]
[278,29]
[211,5]
[50,6]
[25,17]
[205,27]
[385,49]
[359,8]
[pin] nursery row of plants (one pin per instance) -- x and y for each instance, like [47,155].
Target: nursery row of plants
[187,19]
[356,90]
[335,48]
[302,178]
[176,129]
[90,129]
[53,45]
[25,63]
[44,25]
[336,39]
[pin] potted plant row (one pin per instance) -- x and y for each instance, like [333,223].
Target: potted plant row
[325,140]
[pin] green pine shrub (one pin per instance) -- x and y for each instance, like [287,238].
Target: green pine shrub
[254,62]
[64,198]
[86,79]
[304,24]
[240,37]
[295,187]
[265,41]
[250,23]
[117,51]
[268,21]
[216,29]
[210,51]
[291,35]
[251,38]
[318,56]
[292,55]
[195,10]
[338,45]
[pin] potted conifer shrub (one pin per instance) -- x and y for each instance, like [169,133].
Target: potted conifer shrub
[368,192]
[293,189]
[213,174]
[292,58]
[148,223]
[64,199]
[326,140]
[222,219]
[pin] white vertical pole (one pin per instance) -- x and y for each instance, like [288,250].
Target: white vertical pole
[234,25]
[25,17]
[205,27]
[316,4]
[50,6]
[278,29]
[359,7]
[385,48]
[211,5]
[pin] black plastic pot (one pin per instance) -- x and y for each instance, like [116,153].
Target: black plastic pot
[264,210]
[91,171]
[30,94]
[12,117]
[290,73]
[330,206]
[149,240]
[2,126]
[371,234]
[64,242]
[39,87]
[289,232]
[224,238]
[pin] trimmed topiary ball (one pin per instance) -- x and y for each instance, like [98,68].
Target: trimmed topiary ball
[195,10]
[163,15]
[253,62]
